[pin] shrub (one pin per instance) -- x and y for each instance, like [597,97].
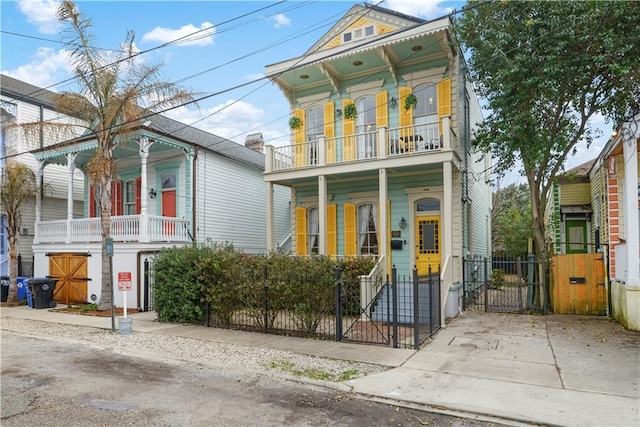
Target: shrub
[497,278]
[177,289]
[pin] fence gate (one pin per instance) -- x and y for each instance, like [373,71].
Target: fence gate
[402,313]
[507,285]
[147,300]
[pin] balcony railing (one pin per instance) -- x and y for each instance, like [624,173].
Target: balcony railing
[126,228]
[383,143]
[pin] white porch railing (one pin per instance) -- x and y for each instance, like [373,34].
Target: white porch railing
[123,228]
[370,285]
[404,141]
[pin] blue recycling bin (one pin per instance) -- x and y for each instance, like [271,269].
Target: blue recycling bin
[22,286]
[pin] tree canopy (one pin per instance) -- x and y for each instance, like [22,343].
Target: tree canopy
[545,70]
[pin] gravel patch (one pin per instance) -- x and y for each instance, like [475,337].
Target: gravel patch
[178,349]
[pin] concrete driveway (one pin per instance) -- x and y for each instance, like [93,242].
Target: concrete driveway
[554,369]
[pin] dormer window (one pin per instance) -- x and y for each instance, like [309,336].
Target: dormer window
[358,33]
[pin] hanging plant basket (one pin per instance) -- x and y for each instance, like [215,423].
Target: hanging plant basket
[350,112]
[410,102]
[295,123]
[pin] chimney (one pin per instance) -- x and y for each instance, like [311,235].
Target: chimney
[255,142]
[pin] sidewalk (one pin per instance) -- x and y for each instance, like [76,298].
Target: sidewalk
[555,370]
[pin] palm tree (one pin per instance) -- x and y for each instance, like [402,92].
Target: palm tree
[18,186]
[114,94]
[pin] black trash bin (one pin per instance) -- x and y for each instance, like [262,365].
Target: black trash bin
[42,292]
[4,282]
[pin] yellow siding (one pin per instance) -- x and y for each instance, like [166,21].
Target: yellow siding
[575,194]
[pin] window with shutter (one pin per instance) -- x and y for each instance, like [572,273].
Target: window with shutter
[301,231]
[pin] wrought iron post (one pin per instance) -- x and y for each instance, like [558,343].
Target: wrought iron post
[519,273]
[394,305]
[338,298]
[486,285]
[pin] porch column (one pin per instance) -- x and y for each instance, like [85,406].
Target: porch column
[446,132]
[270,221]
[39,171]
[322,215]
[382,216]
[144,143]
[382,142]
[631,189]
[447,235]
[322,151]
[71,166]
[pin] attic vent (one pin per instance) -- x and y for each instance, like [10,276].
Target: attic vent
[255,142]
[358,33]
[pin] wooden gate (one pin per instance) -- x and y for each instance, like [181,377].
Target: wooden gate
[70,269]
[579,285]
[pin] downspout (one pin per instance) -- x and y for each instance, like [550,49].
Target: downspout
[193,194]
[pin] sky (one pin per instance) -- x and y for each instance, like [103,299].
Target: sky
[225,60]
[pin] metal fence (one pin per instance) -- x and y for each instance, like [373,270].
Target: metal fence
[503,284]
[403,312]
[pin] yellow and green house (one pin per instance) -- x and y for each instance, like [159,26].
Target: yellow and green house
[380,161]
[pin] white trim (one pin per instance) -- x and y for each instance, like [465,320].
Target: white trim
[312,100]
[431,75]
[364,89]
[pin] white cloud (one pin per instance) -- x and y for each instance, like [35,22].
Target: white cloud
[280,20]
[41,13]
[426,9]
[48,67]
[189,35]
[231,120]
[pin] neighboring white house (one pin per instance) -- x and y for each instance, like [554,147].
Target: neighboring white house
[21,102]
[398,181]
[175,185]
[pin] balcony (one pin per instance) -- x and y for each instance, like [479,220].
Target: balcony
[125,228]
[403,142]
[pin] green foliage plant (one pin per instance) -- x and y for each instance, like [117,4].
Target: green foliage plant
[410,102]
[295,123]
[497,278]
[350,112]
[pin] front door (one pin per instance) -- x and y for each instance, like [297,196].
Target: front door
[70,270]
[428,245]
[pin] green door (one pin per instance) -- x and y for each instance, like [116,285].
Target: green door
[576,236]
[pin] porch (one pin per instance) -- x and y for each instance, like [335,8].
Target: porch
[403,143]
[124,228]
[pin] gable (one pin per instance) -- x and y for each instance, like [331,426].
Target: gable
[362,22]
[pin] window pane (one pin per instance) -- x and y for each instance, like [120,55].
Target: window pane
[428,205]
[168,181]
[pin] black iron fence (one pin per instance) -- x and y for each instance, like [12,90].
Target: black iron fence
[503,284]
[401,313]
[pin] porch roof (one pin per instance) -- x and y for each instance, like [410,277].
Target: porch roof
[168,133]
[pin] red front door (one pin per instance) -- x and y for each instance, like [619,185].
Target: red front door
[169,209]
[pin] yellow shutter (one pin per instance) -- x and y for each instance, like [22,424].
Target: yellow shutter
[350,244]
[382,108]
[299,139]
[348,129]
[444,101]
[332,241]
[444,98]
[406,116]
[329,131]
[301,231]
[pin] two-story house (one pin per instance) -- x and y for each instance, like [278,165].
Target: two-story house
[381,161]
